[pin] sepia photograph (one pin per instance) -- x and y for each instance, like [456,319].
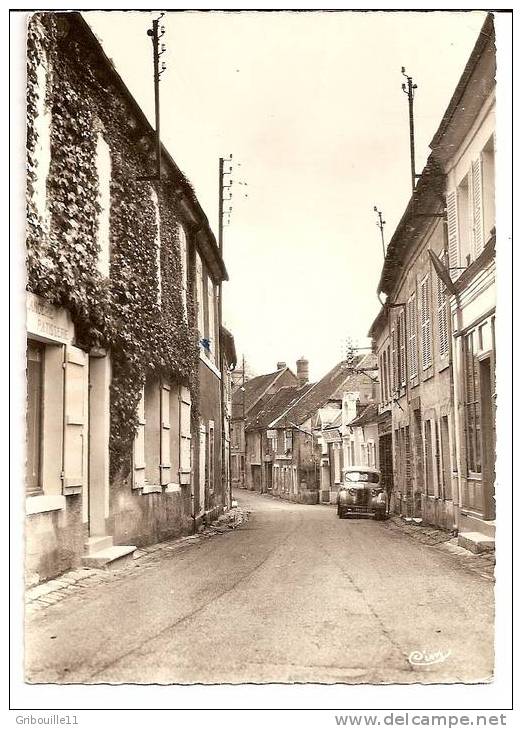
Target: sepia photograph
[260,379]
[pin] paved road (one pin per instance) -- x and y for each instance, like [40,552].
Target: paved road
[293,595]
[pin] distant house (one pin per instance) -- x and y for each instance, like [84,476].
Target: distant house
[244,399]
[297,427]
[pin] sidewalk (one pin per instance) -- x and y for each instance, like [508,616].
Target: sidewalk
[73,582]
[481,564]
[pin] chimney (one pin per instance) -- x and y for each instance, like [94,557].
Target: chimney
[302,371]
[281,365]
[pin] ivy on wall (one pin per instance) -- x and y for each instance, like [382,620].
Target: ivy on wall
[122,313]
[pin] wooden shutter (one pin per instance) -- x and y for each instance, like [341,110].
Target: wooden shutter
[402,349]
[184,436]
[199,294]
[453,242]
[139,445]
[394,361]
[476,192]
[165,434]
[412,331]
[425,324]
[442,319]
[76,403]
[211,319]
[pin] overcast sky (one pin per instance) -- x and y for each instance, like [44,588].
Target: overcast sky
[311,106]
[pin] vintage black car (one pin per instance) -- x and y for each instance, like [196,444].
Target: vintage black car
[361,493]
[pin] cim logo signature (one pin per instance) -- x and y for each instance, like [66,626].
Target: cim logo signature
[428,658]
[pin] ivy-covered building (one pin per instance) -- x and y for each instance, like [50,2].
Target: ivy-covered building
[125,375]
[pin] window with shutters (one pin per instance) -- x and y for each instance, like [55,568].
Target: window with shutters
[412,337]
[442,318]
[476,208]
[425,322]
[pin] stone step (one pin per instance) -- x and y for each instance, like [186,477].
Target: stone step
[109,558]
[96,544]
[476,542]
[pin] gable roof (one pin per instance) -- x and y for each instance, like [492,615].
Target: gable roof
[246,396]
[273,406]
[368,415]
[318,395]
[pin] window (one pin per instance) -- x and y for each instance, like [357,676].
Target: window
[425,323]
[472,406]
[42,131]
[103,169]
[35,357]
[155,203]
[428,458]
[152,432]
[364,454]
[371,453]
[212,338]
[288,441]
[199,294]
[412,336]
[162,444]
[453,234]
[445,453]
[182,242]
[442,318]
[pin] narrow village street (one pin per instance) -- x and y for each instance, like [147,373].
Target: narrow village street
[294,594]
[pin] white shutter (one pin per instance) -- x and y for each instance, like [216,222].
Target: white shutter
[442,319]
[75,431]
[139,445]
[453,241]
[412,322]
[476,191]
[402,349]
[165,434]
[425,324]
[394,360]
[184,436]
[182,239]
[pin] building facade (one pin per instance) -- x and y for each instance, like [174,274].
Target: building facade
[124,381]
[435,335]
[464,146]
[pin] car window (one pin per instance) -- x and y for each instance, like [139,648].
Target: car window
[361,476]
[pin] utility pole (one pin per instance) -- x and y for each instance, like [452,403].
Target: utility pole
[381,223]
[409,90]
[221,187]
[155,33]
